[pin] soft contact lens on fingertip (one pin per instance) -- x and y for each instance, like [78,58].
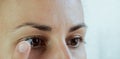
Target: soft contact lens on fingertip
[23,46]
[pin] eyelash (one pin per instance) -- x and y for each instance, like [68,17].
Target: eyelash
[76,40]
[42,41]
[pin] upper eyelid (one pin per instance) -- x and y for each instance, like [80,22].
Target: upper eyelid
[83,40]
[72,36]
[24,38]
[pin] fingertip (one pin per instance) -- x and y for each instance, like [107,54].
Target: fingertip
[23,47]
[22,50]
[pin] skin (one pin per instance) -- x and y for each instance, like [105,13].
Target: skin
[60,15]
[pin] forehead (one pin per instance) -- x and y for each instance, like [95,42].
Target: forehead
[49,12]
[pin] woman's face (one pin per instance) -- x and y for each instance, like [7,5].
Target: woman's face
[55,28]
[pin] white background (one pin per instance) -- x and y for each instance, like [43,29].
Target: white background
[103,33]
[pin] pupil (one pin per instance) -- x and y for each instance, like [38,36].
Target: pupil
[74,41]
[35,42]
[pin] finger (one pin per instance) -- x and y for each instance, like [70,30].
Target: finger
[22,50]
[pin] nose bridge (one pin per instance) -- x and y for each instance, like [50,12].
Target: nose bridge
[62,50]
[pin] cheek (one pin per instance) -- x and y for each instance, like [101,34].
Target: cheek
[37,53]
[79,53]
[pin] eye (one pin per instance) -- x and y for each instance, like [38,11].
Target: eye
[36,41]
[74,42]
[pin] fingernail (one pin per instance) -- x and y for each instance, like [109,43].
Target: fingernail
[23,46]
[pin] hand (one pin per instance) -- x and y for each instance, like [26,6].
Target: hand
[22,50]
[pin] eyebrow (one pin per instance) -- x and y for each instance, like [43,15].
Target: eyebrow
[48,28]
[74,28]
[37,26]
